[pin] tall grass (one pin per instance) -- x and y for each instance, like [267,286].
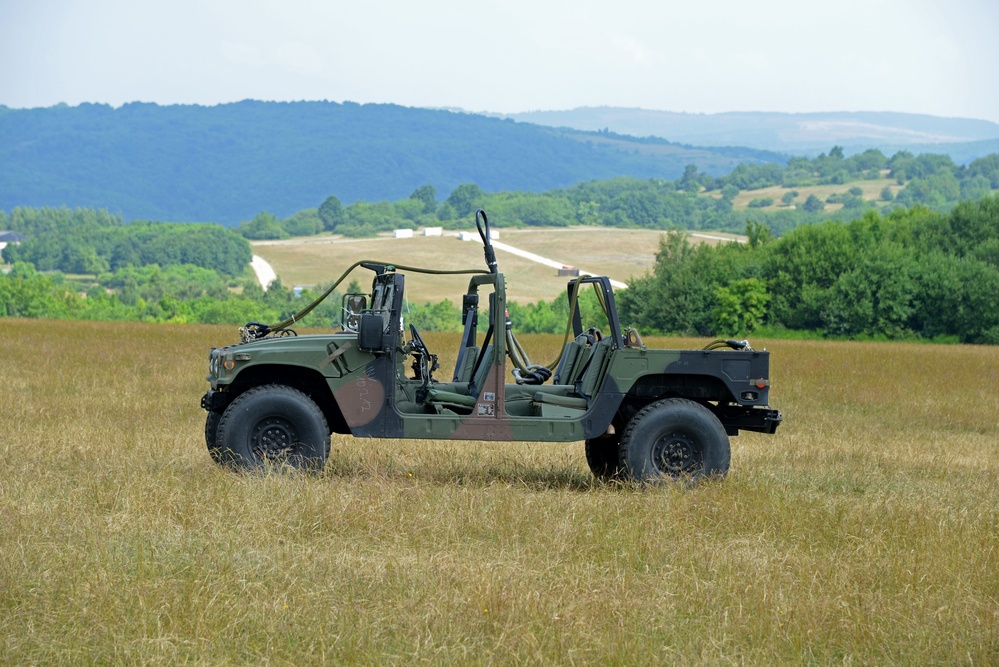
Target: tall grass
[865,532]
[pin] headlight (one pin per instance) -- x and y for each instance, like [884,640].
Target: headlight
[213,364]
[221,363]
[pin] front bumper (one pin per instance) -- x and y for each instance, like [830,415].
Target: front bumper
[214,401]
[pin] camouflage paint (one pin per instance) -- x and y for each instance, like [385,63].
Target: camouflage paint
[368,388]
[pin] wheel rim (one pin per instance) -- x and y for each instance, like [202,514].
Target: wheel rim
[676,453]
[274,438]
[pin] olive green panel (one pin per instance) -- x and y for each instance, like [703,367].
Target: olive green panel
[627,365]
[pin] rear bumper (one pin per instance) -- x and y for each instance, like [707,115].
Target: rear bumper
[761,420]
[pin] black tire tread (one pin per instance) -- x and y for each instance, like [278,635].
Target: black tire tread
[603,456]
[231,454]
[673,413]
[211,435]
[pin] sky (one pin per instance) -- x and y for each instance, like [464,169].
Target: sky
[914,56]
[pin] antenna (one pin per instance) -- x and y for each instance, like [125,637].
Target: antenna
[482,223]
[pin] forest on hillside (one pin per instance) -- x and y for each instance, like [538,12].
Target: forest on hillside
[185,163]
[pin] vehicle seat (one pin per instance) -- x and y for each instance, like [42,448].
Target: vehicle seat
[462,396]
[593,369]
[464,373]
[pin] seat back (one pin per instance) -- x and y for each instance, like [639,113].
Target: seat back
[593,370]
[463,371]
[481,372]
[573,358]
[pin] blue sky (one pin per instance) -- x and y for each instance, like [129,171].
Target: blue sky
[916,56]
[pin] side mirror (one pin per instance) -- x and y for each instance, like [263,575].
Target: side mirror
[354,305]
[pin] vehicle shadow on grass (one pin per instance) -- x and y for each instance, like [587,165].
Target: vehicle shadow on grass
[442,470]
[512,473]
[464,473]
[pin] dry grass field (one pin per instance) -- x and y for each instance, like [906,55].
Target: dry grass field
[865,532]
[619,254]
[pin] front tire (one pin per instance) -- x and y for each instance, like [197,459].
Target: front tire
[676,439]
[273,425]
[211,435]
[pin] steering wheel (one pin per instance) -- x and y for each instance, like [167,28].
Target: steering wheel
[424,363]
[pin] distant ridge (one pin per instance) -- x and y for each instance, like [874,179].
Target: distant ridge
[227,163]
[785,132]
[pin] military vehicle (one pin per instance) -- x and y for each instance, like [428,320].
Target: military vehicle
[644,414]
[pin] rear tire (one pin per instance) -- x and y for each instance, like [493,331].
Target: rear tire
[273,425]
[603,458]
[676,439]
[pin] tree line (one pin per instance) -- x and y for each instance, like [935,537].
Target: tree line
[158,272]
[895,272]
[183,294]
[694,201]
[94,241]
[908,274]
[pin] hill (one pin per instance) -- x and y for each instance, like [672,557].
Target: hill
[801,133]
[229,162]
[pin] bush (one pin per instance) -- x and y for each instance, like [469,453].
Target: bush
[813,204]
[264,226]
